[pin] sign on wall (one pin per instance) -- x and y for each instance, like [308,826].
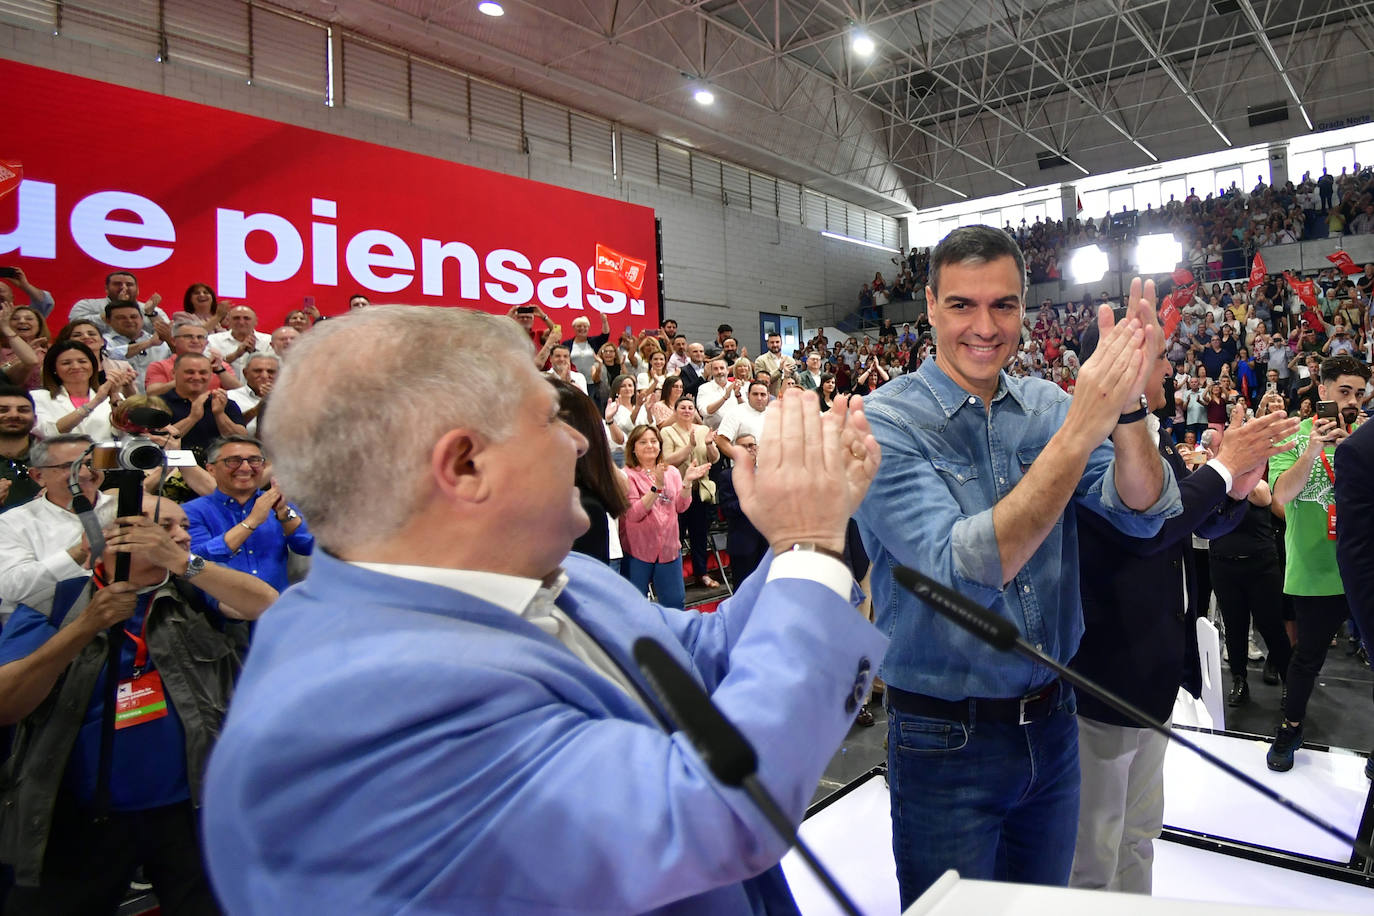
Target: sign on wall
[268,213]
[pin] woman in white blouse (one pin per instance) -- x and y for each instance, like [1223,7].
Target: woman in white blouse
[67,403]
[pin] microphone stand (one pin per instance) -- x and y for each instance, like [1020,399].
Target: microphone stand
[724,749]
[1002,634]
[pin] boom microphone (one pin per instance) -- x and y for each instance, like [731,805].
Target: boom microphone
[724,749]
[1002,634]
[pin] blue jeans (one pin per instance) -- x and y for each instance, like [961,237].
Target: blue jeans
[667,578]
[993,801]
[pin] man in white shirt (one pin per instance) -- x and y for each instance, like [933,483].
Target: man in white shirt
[242,340]
[258,376]
[41,541]
[122,286]
[771,359]
[128,340]
[282,339]
[747,418]
[718,395]
[561,362]
[678,358]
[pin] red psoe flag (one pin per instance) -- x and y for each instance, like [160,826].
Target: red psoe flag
[1306,289]
[11,173]
[616,271]
[1257,271]
[1345,262]
[1169,315]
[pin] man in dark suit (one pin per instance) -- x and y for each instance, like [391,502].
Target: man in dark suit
[693,372]
[1140,639]
[1355,531]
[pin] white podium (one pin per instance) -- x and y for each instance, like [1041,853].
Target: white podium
[955,896]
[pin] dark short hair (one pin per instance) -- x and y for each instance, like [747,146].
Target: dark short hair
[15,391]
[112,307]
[720,329]
[1333,367]
[977,245]
[679,337]
[757,382]
[120,273]
[212,453]
[181,358]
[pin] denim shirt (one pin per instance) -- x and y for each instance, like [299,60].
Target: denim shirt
[946,461]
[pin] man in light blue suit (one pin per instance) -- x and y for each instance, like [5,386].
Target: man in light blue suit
[446,717]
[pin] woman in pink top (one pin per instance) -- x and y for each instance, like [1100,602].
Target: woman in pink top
[649,530]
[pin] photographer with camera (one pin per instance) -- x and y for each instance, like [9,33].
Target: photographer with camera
[40,541]
[83,808]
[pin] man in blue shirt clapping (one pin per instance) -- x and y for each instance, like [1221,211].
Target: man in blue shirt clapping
[978,472]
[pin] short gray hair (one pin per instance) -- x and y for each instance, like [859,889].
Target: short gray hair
[276,360]
[352,446]
[38,452]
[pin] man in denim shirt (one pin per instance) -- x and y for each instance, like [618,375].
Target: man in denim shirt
[978,472]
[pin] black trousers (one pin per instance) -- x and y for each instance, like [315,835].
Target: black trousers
[1319,617]
[87,867]
[1251,587]
[695,522]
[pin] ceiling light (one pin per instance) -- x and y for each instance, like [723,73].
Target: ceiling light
[704,96]
[490,8]
[862,44]
[1087,264]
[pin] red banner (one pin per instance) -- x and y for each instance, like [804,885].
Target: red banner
[1258,273]
[267,213]
[1345,262]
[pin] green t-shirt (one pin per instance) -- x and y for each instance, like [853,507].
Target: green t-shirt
[1310,568]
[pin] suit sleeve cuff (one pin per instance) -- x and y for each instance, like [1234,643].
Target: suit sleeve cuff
[814,567]
[1223,472]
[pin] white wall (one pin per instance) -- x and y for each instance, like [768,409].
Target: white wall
[721,264]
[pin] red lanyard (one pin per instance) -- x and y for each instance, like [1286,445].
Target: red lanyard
[1331,475]
[140,644]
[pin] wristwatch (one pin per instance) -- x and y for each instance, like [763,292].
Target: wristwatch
[290,515]
[194,566]
[1136,415]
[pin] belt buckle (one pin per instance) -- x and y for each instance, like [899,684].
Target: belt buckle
[1021,710]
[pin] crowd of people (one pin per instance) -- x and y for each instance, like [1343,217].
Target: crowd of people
[1222,426]
[1219,232]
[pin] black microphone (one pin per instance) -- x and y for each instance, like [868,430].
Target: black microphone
[998,632]
[993,629]
[727,753]
[724,749]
